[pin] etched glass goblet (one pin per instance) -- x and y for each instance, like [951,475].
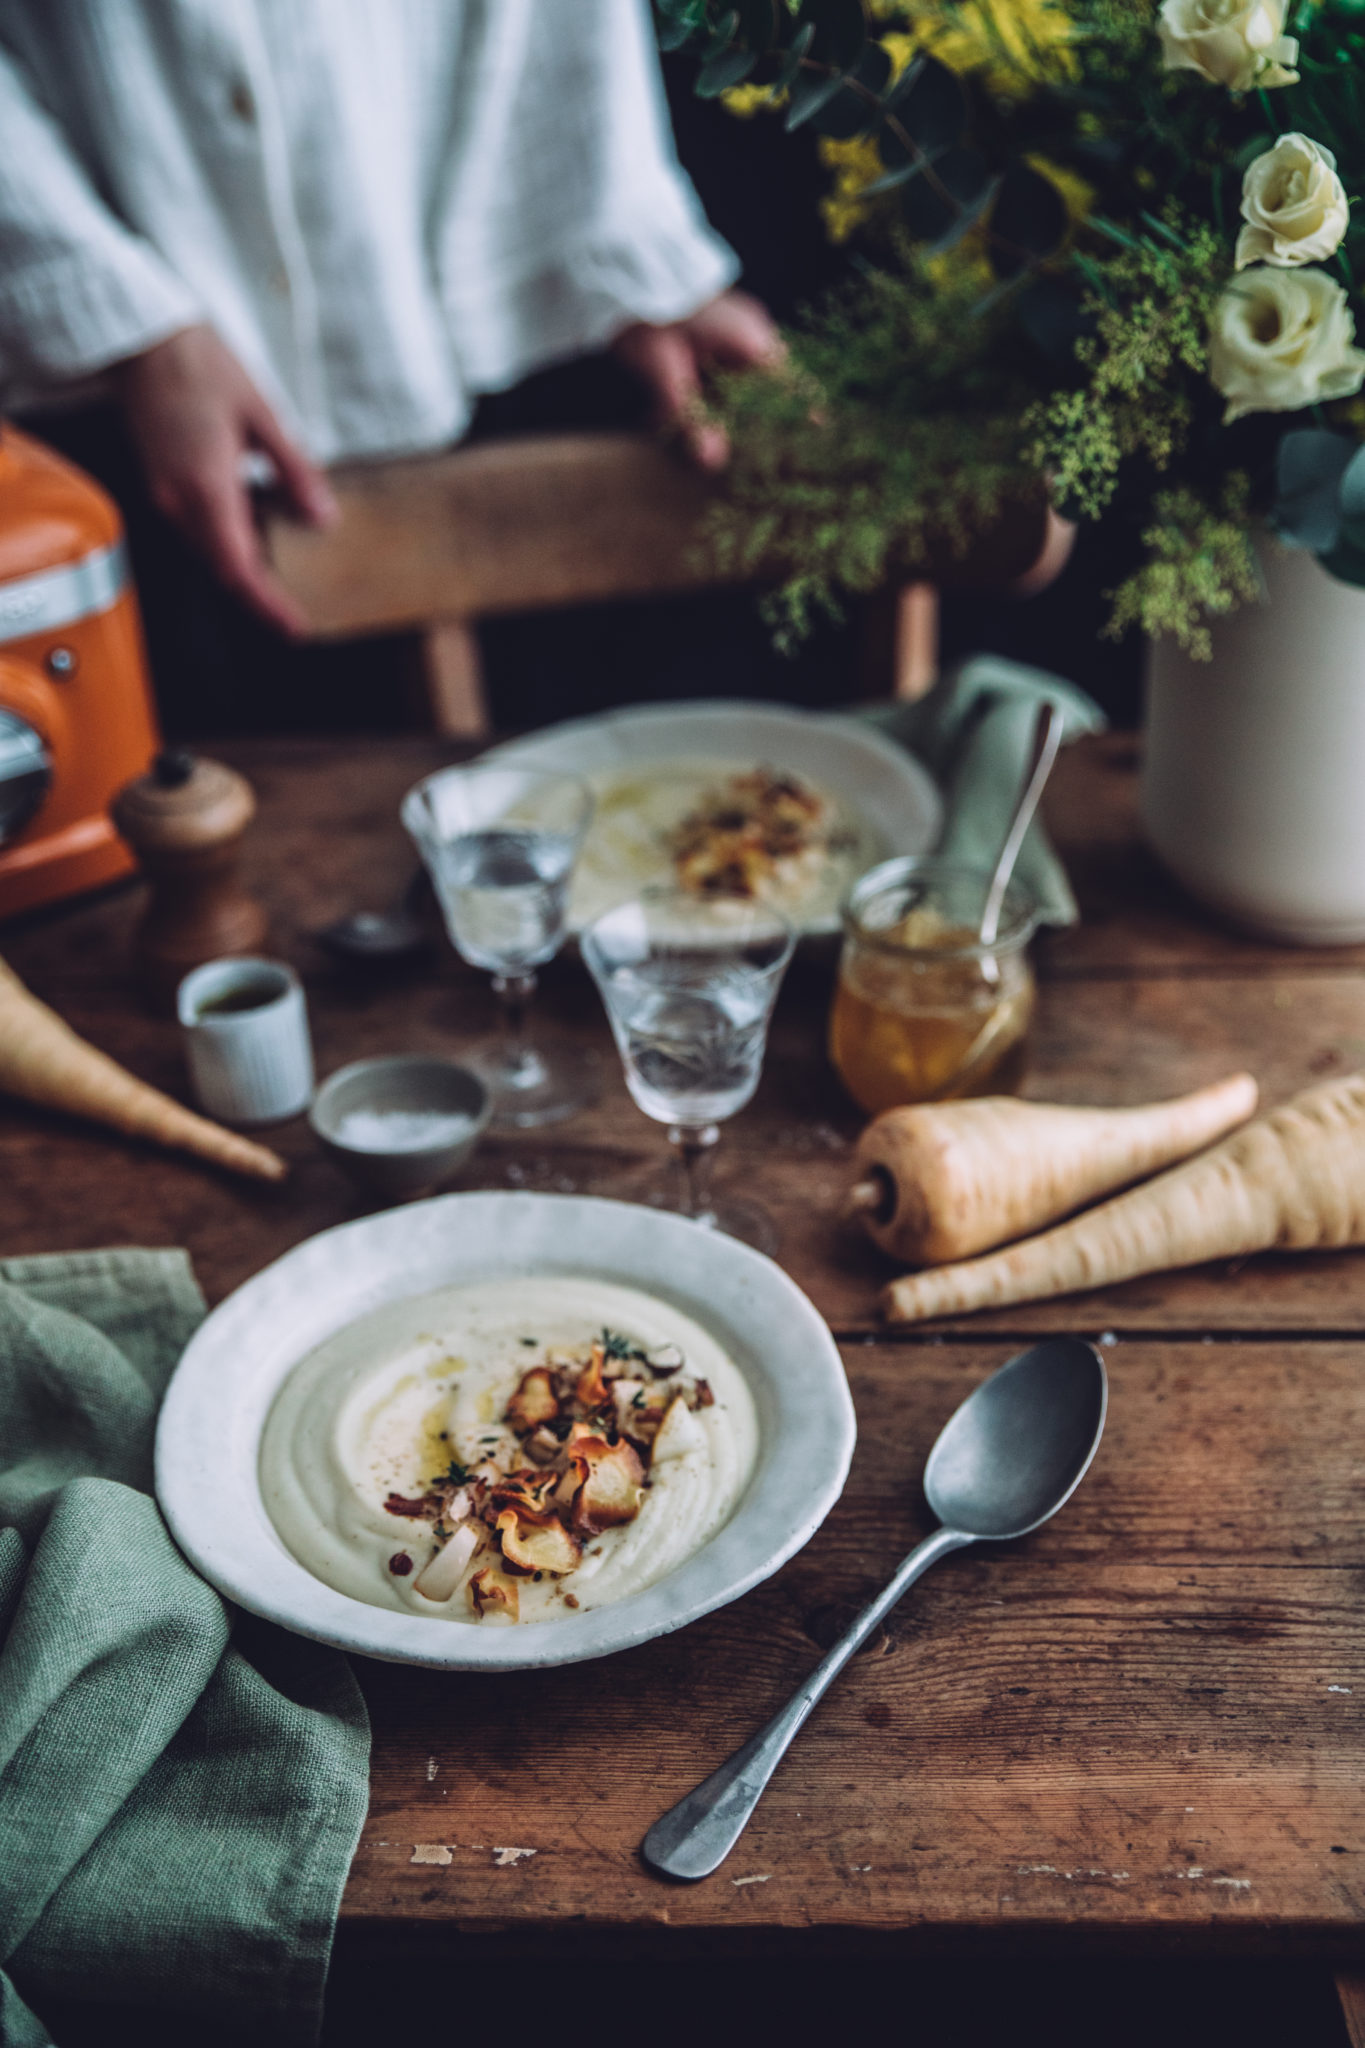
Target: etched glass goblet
[689,985]
[500,846]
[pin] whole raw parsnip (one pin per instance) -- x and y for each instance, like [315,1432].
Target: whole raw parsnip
[43,1060]
[941,1180]
[1292,1181]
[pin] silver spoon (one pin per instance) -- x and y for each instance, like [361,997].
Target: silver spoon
[380,934]
[1004,1463]
[1047,738]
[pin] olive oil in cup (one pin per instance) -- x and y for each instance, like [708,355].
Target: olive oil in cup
[923,1011]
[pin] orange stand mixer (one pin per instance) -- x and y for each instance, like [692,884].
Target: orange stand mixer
[76,716]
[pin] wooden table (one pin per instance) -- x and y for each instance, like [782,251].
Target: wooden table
[1139,1731]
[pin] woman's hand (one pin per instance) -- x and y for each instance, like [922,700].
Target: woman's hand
[194,416]
[734,332]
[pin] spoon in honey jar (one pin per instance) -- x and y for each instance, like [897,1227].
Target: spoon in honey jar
[1047,740]
[1005,1461]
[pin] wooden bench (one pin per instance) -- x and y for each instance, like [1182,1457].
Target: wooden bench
[439,542]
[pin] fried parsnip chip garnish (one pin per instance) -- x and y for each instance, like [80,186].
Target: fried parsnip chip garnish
[527,1489]
[741,833]
[534,1402]
[492,1592]
[610,1483]
[592,1389]
[537,1545]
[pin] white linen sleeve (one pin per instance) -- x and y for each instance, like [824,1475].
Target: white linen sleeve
[654,254]
[78,290]
[570,217]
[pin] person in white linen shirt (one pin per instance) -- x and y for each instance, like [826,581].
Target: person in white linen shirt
[314,230]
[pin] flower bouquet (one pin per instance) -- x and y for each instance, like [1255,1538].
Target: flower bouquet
[1105,243]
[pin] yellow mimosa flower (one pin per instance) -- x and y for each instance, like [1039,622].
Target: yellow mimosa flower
[1012,44]
[745,100]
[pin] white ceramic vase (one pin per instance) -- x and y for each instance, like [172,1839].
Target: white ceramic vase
[1253,790]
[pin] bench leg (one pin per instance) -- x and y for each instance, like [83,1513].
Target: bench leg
[915,660]
[454,678]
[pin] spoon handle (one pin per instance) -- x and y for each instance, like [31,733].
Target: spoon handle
[1047,738]
[695,1837]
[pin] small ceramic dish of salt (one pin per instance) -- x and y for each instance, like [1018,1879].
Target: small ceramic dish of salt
[403,1125]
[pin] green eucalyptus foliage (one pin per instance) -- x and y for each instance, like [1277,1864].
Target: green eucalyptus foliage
[947,172]
[991,336]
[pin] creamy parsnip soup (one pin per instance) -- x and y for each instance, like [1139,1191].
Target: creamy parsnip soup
[511,1451]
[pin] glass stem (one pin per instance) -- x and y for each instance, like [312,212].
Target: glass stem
[514,992]
[693,1146]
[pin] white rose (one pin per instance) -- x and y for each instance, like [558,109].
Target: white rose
[1294,205]
[1236,43]
[1282,339]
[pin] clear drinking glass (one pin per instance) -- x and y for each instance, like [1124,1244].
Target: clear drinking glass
[689,984]
[500,846]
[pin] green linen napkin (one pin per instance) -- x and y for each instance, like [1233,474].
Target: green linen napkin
[973,732]
[181,1787]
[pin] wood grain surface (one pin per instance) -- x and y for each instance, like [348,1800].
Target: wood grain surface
[1139,1729]
[518,524]
[1144,1720]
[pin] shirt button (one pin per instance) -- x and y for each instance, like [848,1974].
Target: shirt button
[241,101]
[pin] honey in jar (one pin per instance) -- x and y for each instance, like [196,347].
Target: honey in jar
[923,1012]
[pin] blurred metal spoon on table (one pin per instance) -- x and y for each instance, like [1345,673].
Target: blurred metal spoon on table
[381,935]
[1005,1461]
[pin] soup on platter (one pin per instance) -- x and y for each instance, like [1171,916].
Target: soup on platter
[701,825]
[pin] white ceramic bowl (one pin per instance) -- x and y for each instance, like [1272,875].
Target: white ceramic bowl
[405,1081]
[872,777]
[209,1434]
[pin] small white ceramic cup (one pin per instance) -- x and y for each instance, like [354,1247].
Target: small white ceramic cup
[245,1028]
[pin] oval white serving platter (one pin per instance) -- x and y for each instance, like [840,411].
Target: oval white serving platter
[872,778]
[208,1437]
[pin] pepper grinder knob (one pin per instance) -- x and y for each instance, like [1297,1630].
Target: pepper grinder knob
[184,820]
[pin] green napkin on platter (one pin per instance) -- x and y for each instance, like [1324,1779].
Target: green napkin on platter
[973,732]
[181,1787]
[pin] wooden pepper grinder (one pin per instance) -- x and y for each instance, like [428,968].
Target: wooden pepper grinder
[184,820]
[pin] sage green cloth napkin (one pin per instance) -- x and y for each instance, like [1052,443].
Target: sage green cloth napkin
[181,1787]
[973,732]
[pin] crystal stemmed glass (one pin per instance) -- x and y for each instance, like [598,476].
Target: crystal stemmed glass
[689,984]
[500,846]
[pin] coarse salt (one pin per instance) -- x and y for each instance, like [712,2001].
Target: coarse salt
[399,1130]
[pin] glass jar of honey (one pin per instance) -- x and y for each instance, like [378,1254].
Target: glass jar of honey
[923,1011]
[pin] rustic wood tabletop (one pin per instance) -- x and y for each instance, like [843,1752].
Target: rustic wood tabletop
[1138,1731]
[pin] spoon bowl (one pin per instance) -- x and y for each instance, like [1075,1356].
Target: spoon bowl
[1018,1447]
[376,936]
